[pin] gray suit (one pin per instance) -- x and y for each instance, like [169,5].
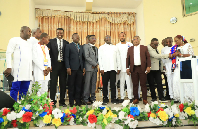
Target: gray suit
[91,59]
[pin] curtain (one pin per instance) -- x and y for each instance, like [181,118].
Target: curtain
[99,24]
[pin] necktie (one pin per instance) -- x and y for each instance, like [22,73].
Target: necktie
[61,54]
[159,60]
[77,46]
[93,47]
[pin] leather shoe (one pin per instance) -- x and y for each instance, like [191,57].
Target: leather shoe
[77,104]
[62,104]
[136,101]
[145,102]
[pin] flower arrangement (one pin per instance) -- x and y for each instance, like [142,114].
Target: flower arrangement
[39,111]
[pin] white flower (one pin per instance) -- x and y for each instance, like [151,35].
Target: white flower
[174,121]
[139,108]
[97,104]
[162,105]
[114,119]
[12,116]
[117,108]
[121,115]
[71,122]
[104,111]
[28,106]
[183,115]
[116,126]
[19,102]
[41,108]
[37,114]
[80,119]
[147,108]
[23,99]
[109,126]
[196,112]
[169,112]
[155,102]
[40,124]
[57,113]
[165,122]
[2,110]
[175,109]
[133,124]
[158,121]
[91,125]
[127,121]
[125,103]
[20,114]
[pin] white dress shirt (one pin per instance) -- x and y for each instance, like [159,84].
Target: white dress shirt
[123,49]
[58,42]
[137,60]
[108,56]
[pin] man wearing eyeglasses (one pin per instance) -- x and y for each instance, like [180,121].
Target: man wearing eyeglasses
[155,73]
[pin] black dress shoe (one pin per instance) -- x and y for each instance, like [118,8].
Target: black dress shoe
[121,100]
[140,99]
[62,104]
[163,100]
[105,101]
[131,100]
[153,100]
[167,98]
[114,101]
[77,104]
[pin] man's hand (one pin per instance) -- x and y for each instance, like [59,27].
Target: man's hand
[48,70]
[7,72]
[148,70]
[93,67]
[51,69]
[128,72]
[175,54]
[118,71]
[83,71]
[164,68]
[102,72]
[68,71]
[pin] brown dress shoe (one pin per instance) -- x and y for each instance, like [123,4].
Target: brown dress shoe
[145,102]
[136,101]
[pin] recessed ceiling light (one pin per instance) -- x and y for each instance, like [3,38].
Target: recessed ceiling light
[190,3]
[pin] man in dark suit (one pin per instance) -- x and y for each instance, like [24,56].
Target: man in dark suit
[57,50]
[74,63]
[138,59]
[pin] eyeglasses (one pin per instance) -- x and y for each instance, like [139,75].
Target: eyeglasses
[156,44]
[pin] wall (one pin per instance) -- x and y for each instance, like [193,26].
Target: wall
[31,14]
[157,14]
[140,29]
[14,15]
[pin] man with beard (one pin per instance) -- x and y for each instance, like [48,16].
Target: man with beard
[21,68]
[91,63]
[57,50]
[123,48]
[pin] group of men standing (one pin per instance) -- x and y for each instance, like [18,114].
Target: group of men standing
[134,63]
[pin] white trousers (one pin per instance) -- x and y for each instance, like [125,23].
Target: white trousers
[44,87]
[170,77]
[30,86]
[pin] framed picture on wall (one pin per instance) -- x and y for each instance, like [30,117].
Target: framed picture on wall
[189,7]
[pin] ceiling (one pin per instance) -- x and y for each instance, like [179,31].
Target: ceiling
[122,4]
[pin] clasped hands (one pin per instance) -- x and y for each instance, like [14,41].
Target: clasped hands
[175,54]
[102,72]
[69,72]
[46,71]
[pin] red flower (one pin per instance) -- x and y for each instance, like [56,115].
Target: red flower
[160,109]
[149,114]
[181,106]
[27,117]
[14,123]
[130,116]
[50,112]
[92,118]
[73,111]
[5,111]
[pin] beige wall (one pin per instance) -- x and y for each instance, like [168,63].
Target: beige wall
[140,29]
[14,15]
[157,14]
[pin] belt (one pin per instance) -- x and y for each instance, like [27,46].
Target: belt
[59,60]
[137,65]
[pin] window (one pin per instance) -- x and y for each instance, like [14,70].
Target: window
[190,7]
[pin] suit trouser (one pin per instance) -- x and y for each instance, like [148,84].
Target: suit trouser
[21,86]
[90,85]
[109,75]
[60,71]
[117,79]
[166,84]
[124,77]
[43,87]
[152,77]
[75,85]
[137,75]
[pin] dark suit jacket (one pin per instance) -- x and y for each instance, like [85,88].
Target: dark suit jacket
[144,56]
[53,46]
[73,58]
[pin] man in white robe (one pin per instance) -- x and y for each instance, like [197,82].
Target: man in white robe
[34,40]
[123,48]
[21,67]
[168,65]
[43,56]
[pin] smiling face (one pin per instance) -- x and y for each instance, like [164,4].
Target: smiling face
[122,37]
[169,42]
[178,41]
[60,34]
[76,38]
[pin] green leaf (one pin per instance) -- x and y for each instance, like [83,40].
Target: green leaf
[172,102]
